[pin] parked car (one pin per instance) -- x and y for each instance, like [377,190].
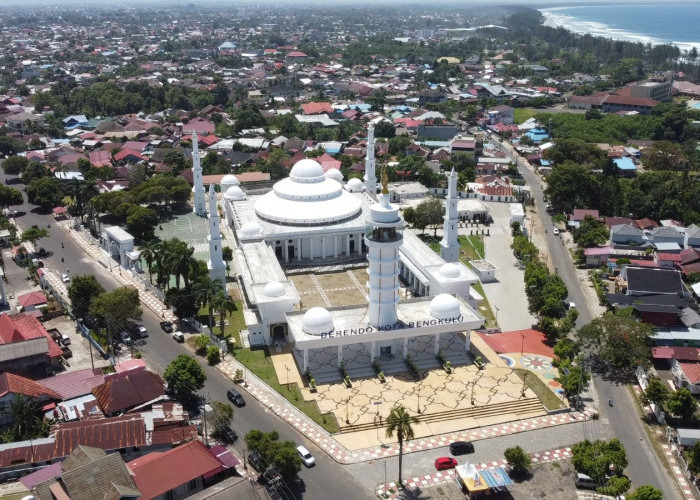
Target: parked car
[235,397]
[179,337]
[228,434]
[444,463]
[584,481]
[461,447]
[306,456]
[126,338]
[555,231]
[65,278]
[139,331]
[256,461]
[166,326]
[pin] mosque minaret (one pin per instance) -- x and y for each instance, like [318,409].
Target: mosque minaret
[383,239]
[200,207]
[449,246]
[216,264]
[370,164]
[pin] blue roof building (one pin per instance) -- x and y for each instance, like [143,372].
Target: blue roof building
[538,135]
[625,166]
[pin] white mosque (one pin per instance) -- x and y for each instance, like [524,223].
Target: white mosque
[313,219]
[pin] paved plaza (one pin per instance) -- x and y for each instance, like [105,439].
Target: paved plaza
[345,288]
[189,228]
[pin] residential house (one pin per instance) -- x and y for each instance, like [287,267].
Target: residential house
[316,108]
[625,166]
[666,234]
[124,392]
[12,385]
[129,156]
[641,281]
[89,473]
[26,347]
[689,262]
[32,301]
[24,122]
[196,468]
[687,375]
[626,235]
[443,132]
[692,236]
[430,96]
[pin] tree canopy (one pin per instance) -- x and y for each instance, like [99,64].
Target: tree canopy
[598,458]
[81,292]
[282,455]
[184,377]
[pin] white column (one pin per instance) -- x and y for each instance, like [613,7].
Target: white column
[347,245]
[437,343]
[306,359]
[323,247]
[299,249]
[467,344]
[340,355]
[285,251]
[311,248]
[335,246]
[358,243]
[405,347]
[373,350]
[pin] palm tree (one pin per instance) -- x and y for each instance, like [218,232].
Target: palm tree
[149,252]
[179,261]
[205,290]
[225,306]
[25,412]
[399,421]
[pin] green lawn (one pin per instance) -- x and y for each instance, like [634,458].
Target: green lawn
[235,322]
[522,114]
[549,399]
[471,247]
[486,312]
[258,361]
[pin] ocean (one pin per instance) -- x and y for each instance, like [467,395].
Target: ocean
[669,23]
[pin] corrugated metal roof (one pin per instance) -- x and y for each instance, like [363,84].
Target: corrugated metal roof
[108,434]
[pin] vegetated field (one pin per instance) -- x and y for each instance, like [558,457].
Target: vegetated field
[554,480]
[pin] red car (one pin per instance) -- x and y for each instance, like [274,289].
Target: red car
[444,463]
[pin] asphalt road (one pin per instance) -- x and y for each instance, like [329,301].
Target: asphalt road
[645,467]
[160,349]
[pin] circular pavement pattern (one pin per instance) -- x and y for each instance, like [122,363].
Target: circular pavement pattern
[534,362]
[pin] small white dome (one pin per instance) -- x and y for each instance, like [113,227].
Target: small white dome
[445,306]
[450,270]
[250,229]
[354,185]
[307,170]
[234,193]
[230,180]
[317,320]
[335,174]
[274,289]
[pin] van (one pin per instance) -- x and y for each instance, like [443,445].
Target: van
[65,339]
[584,481]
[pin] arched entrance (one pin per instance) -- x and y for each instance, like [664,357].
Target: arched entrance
[279,333]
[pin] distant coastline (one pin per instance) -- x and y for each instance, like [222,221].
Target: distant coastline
[634,22]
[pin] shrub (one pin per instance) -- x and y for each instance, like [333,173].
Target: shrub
[201,344]
[213,355]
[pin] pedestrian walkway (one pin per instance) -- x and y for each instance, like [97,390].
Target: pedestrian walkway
[390,490]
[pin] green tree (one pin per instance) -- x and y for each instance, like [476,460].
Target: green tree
[45,192]
[220,417]
[646,492]
[182,301]
[201,344]
[694,464]
[224,306]
[385,129]
[10,196]
[597,458]
[114,310]
[567,348]
[572,377]
[148,251]
[205,291]
[34,234]
[620,342]
[616,485]
[34,170]
[518,460]
[81,292]
[572,186]
[682,403]
[184,377]
[430,213]
[656,393]
[213,355]
[15,165]
[141,222]
[27,417]
[591,233]
[401,423]
[282,456]
[398,145]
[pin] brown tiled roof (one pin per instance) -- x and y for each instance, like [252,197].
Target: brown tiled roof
[153,473]
[107,434]
[123,392]
[15,384]
[21,327]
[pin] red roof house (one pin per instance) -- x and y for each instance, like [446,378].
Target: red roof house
[129,156]
[39,351]
[316,108]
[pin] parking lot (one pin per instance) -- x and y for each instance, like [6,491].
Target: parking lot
[79,346]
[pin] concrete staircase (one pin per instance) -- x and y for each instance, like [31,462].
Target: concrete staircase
[522,408]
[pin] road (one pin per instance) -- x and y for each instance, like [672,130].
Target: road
[160,349]
[645,467]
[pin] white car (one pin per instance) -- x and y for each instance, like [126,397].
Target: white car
[65,278]
[179,336]
[555,231]
[306,456]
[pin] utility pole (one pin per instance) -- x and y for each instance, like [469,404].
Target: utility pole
[206,431]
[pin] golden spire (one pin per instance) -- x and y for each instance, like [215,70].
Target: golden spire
[385,181]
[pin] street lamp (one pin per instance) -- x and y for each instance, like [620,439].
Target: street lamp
[418,394]
[287,367]
[522,342]
[347,415]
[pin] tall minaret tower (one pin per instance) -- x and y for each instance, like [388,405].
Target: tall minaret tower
[383,237]
[199,194]
[449,246]
[370,170]
[216,264]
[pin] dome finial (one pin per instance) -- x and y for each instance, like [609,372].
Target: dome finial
[385,181]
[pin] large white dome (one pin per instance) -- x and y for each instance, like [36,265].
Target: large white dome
[354,185]
[317,320]
[445,306]
[274,289]
[234,193]
[307,170]
[450,270]
[307,198]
